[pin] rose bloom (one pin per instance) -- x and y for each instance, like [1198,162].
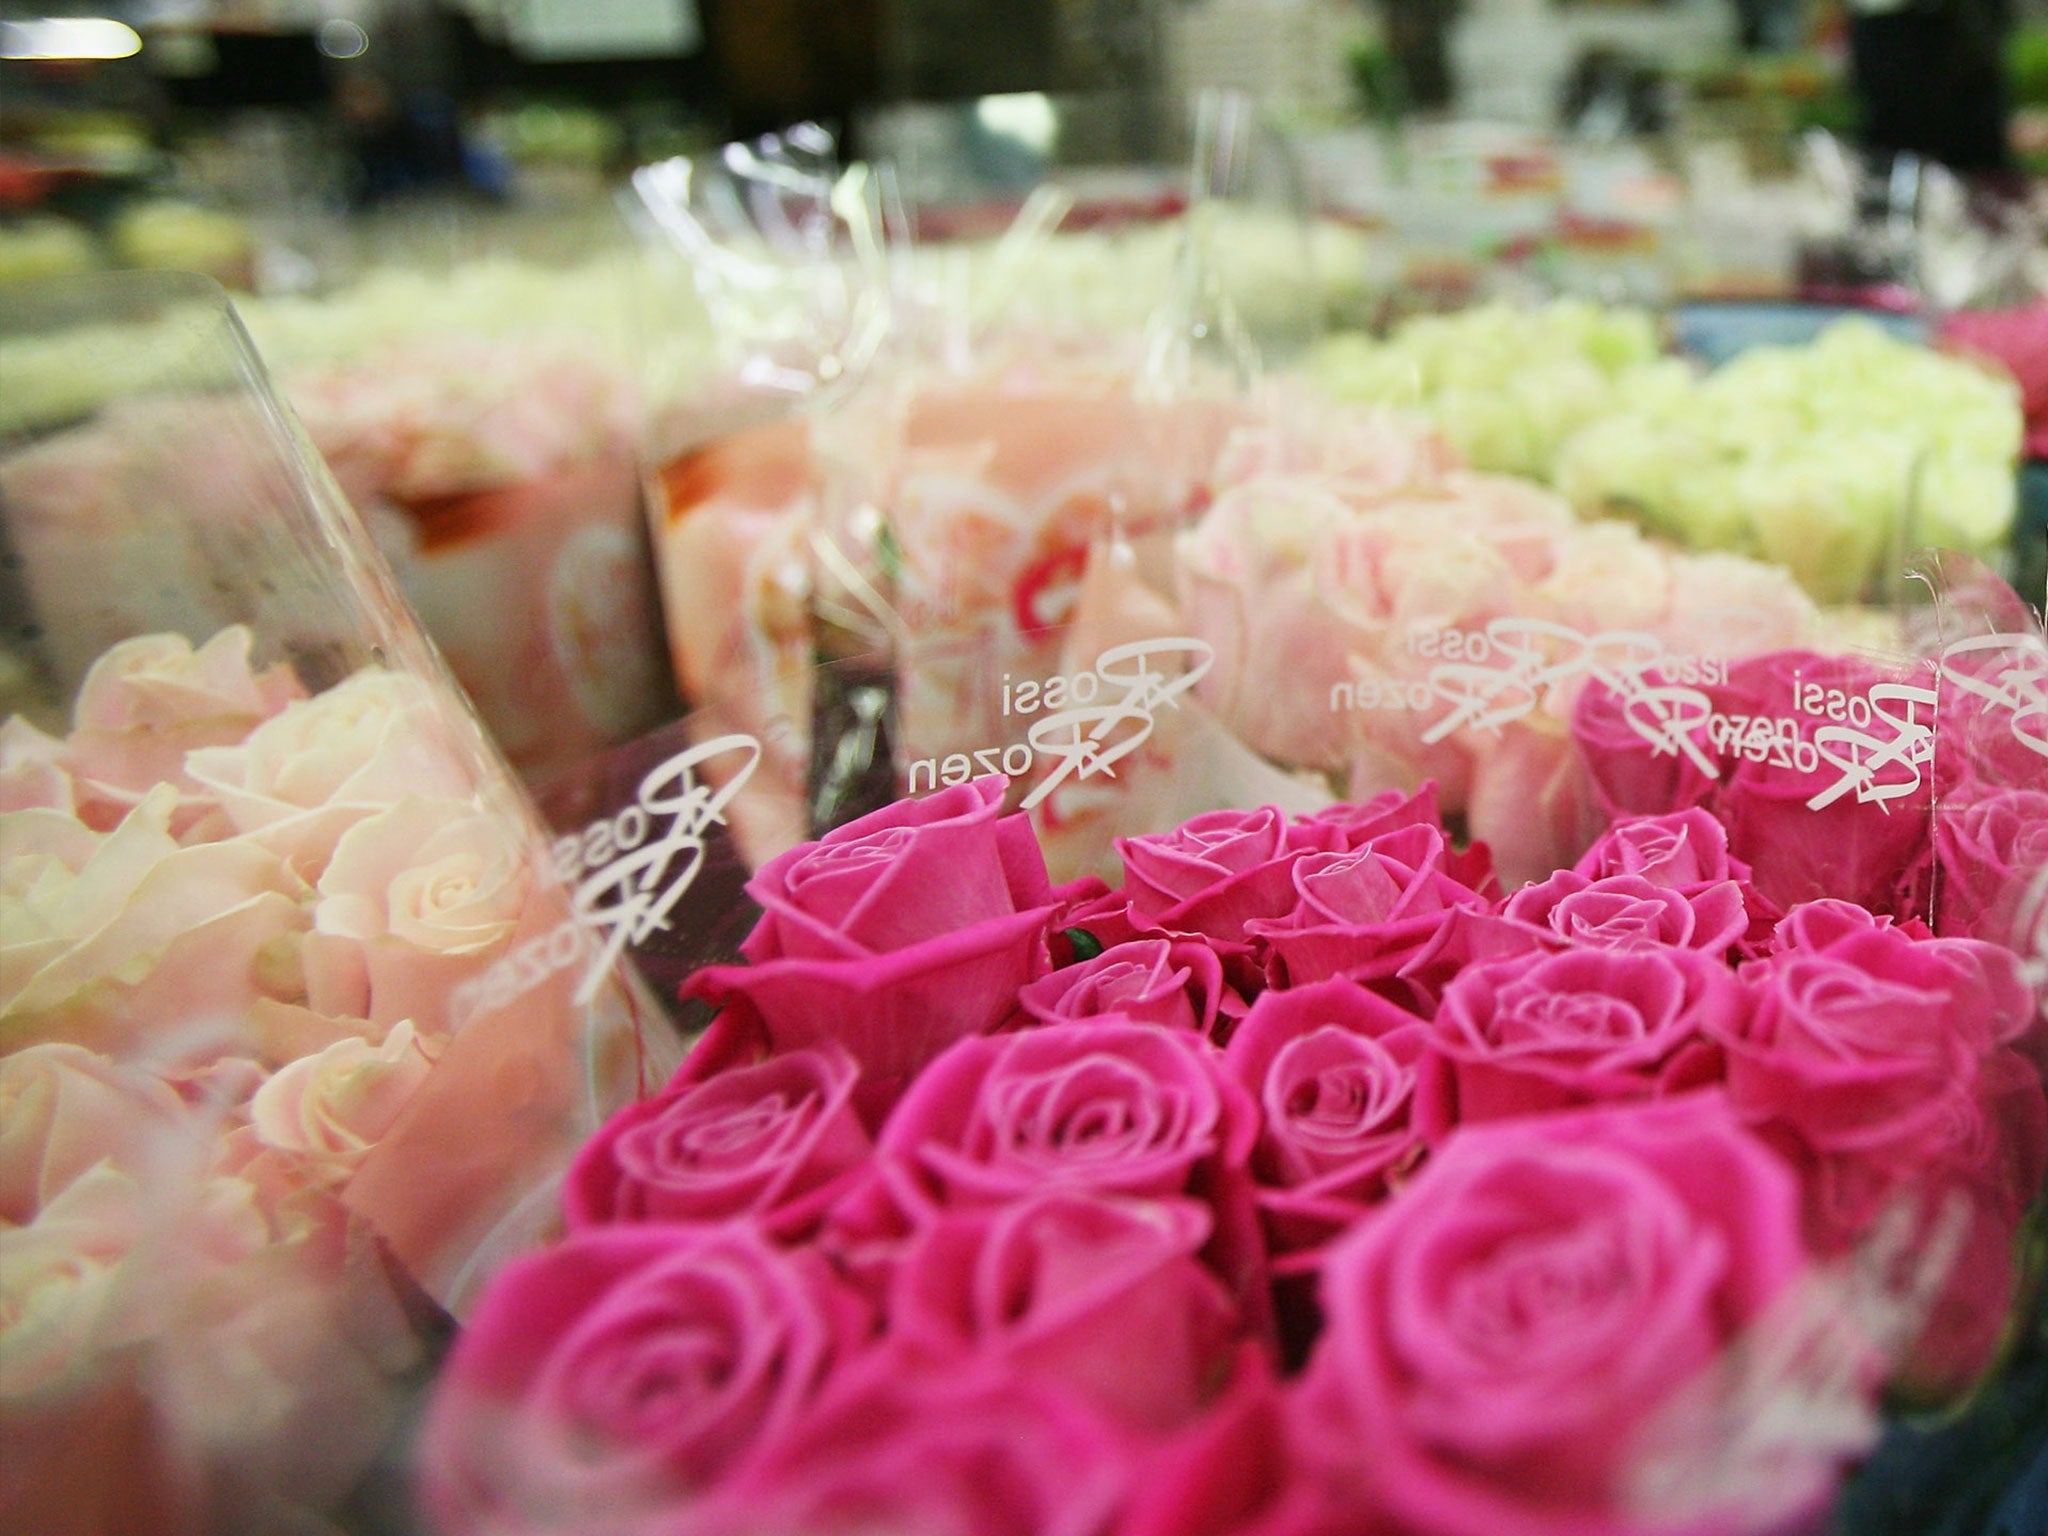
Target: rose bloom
[1369,913]
[977,1451]
[309,773]
[1500,1334]
[335,1105]
[1874,853]
[414,900]
[1540,1033]
[113,936]
[605,1378]
[1102,1296]
[148,701]
[773,1141]
[1629,912]
[65,1110]
[1332,1067]
[1174,984]
[1102,1105]
[1991,849]
[1883,1067]
[894,935]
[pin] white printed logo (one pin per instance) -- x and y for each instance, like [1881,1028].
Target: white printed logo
[1093,719]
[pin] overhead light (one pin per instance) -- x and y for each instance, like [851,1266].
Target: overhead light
[68,37]
[342,39]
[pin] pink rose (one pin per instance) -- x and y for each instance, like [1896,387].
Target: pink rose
[1881,1066]
[625,1368]
[1213,873]
[1684,851]
[1629,912]
[1874,852]
[1104,1106]
[773,1141]
[1177,984]
[894,935]
[1991,850]
[1633,770]
[973,1452]
[1547,1032]
[1332,1066]
[1103,1297]
[1368,913]
[1500,1334]
[64,1109]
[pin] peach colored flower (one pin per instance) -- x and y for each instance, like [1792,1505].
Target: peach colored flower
[113,935]
[336,1104]
[304,777]
[64,1111]
[416,899]
[148,701]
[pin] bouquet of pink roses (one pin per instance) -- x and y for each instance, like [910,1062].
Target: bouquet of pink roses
[1301,1182]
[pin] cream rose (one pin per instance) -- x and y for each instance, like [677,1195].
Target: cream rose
[338,1103]
[65,1110]
[35,770]
[416,899]
[110,936]
[304,777]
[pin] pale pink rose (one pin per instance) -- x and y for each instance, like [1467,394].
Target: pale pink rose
[110,936]
[336,1105]
[65,1110]
[63,1280]
[308,774]
[148,701]
[35,770]
[415,900]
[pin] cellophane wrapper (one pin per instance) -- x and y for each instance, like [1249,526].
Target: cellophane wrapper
[484,424]
[298,1023]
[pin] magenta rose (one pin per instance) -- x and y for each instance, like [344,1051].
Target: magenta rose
[1624,740]
[1873,851]
[773,1141]
[1629,912]
[1682,851]
[975,1451]
[1991,848]
[1177,984]
[1367,913]
[1501,1333]
[1332,1067]
[1544,1033]
[1103,1297]
[1213,873]
[1102,1105]
[1880,1065]
[894,935]
[624,1369]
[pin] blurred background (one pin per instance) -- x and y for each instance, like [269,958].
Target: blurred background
[285,145]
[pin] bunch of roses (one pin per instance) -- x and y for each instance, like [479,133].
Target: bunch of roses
[1831,784]
[237,917]
[1301,1184]
[1356,601]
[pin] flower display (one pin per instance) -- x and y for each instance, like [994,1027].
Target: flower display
[1302,1181]
[246,991]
